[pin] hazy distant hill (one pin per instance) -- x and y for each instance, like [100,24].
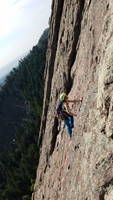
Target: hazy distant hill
[2,79]
[7,68]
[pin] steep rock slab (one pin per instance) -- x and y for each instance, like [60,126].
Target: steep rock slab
[81,169]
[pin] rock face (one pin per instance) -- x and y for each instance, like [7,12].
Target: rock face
[79,60]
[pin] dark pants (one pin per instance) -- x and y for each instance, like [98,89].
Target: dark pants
[69,122]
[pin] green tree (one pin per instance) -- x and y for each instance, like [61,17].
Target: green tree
[24,88]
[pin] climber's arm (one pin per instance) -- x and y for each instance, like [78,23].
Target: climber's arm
[74,101]
[69,110]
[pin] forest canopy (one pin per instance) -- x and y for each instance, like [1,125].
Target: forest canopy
[21,100]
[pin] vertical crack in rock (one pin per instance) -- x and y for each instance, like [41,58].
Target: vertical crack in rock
[73,54]
[89,4]
[104,189]
[54,135]
[50,66]
[107,105]
[72,58]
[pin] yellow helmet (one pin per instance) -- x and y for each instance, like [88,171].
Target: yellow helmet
[62,96]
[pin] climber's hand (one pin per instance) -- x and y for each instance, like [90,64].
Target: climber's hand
[77,100]
[81,99]
[73,113]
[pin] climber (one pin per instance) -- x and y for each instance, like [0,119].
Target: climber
[64,112]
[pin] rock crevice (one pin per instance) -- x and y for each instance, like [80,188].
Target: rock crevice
[51,54]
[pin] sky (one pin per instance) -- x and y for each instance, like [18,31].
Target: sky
[21,24]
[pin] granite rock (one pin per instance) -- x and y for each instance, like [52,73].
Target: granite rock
[80,62]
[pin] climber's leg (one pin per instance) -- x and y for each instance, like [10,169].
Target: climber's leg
[67,123]
[71,120]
